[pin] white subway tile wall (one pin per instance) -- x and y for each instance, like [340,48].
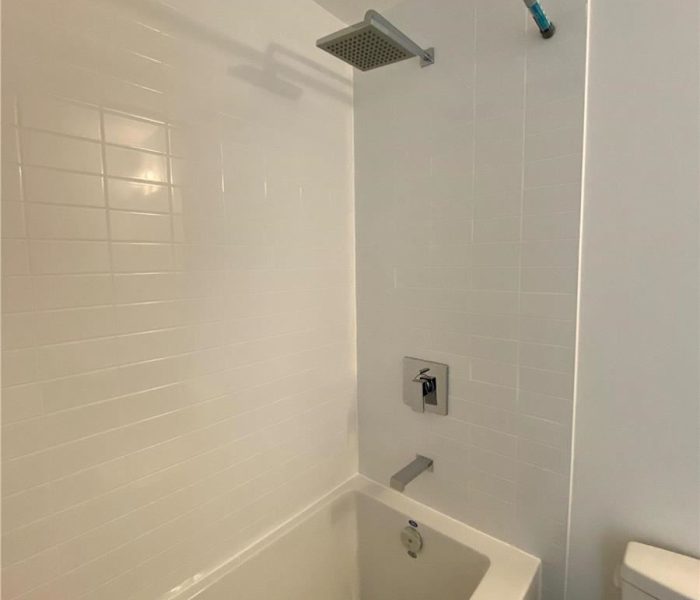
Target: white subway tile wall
[468,191]
[178,316]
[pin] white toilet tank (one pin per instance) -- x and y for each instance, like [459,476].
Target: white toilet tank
[649,573]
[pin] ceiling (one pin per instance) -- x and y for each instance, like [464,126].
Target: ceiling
[352,11]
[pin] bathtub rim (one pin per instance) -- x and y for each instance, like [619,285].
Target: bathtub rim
[512,574]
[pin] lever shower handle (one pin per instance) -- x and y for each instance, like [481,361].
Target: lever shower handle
[428,386]
[422,375]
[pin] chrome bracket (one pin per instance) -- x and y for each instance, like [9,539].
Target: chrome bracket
[428,57]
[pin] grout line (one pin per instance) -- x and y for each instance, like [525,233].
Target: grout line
[164,442]
[101,141]
[20,154]
[197,482]
[273,526]
[93,207]
[191,379]
[193,352]
[171,192]
[522,224]
[91,174]
[320,405]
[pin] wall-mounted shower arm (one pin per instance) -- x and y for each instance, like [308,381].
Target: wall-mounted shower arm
[426,55]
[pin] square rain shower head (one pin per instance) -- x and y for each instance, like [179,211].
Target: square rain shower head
[372,43]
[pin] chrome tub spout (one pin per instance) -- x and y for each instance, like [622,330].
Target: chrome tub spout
[401,479]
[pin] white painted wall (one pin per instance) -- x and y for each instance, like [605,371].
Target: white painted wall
[467,195]
[353,11]
[637,443]
[178,308]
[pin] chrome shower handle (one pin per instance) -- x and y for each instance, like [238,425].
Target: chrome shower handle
[421,376]
[432,394]
[428,386]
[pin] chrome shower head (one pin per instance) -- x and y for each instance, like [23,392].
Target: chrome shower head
[373,43]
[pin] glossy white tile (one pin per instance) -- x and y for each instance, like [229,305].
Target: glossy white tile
[505,321]
[50,186]
[68,257]
[158,334]
[13,221]
[60,152]
[46,222]
[134,195]
[136,164]
[137,133]
[60,116]
[140,227]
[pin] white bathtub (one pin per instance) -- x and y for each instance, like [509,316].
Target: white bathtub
[347,547]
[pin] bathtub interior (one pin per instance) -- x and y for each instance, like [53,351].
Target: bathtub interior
[314,559]
[350,549]
[444,569]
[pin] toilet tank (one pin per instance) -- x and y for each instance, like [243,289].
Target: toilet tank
[649,573]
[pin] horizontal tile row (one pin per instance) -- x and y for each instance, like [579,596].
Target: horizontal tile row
[178,352]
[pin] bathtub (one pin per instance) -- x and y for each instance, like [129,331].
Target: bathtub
[347,546]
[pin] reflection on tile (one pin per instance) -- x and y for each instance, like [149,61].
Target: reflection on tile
[134,195]
[124,162]
[136,133]
[141,305]
[134,301]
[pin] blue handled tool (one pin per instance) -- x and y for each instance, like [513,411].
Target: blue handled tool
[546,27]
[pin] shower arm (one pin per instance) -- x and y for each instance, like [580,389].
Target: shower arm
[427,56]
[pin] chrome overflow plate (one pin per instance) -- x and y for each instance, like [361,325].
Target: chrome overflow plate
[412,541]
